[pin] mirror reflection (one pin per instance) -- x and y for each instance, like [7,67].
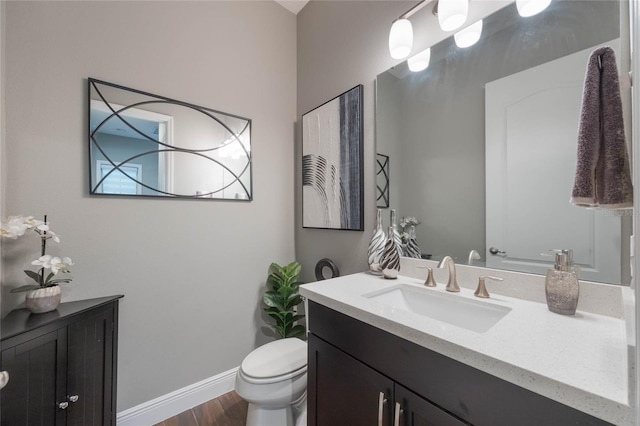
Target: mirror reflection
[484,143]
[147,145]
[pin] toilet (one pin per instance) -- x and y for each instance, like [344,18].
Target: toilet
[273,380]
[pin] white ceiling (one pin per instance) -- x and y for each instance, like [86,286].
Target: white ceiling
[294,6]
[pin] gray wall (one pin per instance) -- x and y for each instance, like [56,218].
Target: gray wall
[342,44]
[192,272]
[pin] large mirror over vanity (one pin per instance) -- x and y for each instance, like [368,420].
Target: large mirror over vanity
[481,145]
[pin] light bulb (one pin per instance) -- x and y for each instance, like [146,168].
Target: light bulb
[400,39]
[528,8]
[420,61]
[468,36]
[452,14]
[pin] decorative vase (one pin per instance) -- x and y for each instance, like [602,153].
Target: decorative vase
[396,233]
[412,249]
[376,246]
[390,263]
[43,300]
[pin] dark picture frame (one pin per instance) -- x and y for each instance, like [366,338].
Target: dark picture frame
[332,164]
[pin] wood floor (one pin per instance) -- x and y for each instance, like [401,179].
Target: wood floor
[226,410]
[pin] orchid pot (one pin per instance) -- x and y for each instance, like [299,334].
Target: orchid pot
[43,295]
[44,299]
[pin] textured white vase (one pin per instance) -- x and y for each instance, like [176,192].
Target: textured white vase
[396,233]
[412,249]
[390,263]
[376,246]
[43,300]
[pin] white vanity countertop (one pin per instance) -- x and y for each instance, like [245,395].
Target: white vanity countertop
[580,361]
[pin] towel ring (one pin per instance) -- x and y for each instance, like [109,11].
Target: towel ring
[320,268]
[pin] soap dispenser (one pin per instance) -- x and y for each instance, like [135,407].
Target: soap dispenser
[561,285]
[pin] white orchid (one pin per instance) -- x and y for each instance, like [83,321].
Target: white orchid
[16,226]
[35,223]
[54,263]
[408,221]
[61,265]
[55,237]
[13,227]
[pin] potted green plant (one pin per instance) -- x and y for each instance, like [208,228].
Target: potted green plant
[44,294]
[283,298]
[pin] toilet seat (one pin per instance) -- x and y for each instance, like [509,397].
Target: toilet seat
[274,379]
[276,361]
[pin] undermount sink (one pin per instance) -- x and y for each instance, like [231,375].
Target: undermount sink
[450,308]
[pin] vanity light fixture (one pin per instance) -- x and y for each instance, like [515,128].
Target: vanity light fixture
[452,14]
[468,36]
[528,8]
[401,34]
[400,38]
[419,61]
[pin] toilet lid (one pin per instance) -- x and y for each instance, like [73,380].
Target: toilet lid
[276,358]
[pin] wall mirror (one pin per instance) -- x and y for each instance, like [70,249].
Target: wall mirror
[484,141]
[146,145]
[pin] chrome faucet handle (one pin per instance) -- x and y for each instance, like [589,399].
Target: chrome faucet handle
[430,281]
[481,291]
[452,284]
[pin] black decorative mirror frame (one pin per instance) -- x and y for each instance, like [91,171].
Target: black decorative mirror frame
[147,145]
[382,181]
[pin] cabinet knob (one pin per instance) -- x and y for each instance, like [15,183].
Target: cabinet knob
[63,405]
[74,398]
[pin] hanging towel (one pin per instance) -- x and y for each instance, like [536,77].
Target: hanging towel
[603,176]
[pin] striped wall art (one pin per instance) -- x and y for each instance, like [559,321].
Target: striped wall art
[332,164]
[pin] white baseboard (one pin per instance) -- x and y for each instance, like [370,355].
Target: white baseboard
[171,404]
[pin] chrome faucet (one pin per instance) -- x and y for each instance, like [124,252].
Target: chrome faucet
[473,255]
[452,284]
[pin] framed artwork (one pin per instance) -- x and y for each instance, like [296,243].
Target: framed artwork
[332,164]
[382,181]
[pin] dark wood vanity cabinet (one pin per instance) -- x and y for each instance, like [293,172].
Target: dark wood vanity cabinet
[348,392]
[361,375]
[61,365]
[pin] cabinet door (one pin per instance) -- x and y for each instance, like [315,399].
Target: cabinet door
[345,391]
[412,410]
[89,361]
[37,385]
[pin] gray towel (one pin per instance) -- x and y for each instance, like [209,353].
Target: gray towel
[603,176]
